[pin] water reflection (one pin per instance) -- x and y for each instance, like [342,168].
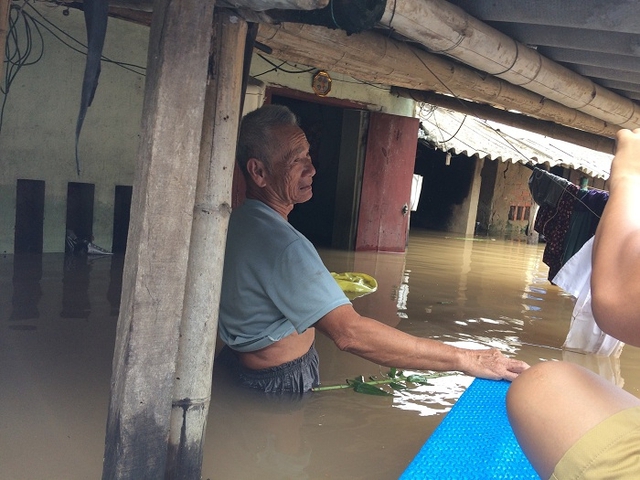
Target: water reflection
[75,286]
[465,292]
[27,273]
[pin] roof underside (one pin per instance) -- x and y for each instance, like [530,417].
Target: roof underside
[595,39]
[598,39]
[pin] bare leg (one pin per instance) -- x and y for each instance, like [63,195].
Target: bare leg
[552,404]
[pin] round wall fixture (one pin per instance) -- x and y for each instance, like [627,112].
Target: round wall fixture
[321,83]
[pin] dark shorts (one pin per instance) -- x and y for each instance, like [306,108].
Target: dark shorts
[297,376]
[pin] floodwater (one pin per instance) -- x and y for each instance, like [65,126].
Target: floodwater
[57,325]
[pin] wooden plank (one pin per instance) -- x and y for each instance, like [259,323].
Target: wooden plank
[160,229]
[192,389]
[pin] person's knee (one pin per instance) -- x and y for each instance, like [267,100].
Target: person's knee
[537,384]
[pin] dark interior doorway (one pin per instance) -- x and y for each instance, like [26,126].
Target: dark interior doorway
[322,125]
[80,211]
[121,217]
[28,235]
[446,184]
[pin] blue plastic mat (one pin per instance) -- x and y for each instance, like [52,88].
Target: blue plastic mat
[473,441]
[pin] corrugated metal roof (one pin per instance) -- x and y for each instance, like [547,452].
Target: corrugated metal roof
[459,133]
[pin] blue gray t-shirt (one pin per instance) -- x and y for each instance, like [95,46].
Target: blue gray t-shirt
[274,282]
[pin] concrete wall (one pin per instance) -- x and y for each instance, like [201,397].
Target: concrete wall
[463,216]
[506,186]
[38,132]
[511,190]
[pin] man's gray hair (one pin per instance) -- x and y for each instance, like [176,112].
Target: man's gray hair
[256,138]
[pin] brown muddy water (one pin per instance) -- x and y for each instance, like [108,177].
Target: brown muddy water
[57,325]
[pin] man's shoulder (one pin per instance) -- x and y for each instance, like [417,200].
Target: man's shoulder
[263,227]
[256,215]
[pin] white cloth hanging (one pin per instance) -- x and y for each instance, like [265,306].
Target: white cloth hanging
[584,334]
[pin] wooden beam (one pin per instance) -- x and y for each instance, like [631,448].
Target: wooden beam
[373,57]
[192,389]
[159,235]
[445,28]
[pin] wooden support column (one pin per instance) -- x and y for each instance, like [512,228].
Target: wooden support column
[158,248]
[192,390]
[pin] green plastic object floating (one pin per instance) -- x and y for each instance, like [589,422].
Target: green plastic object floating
[355,284]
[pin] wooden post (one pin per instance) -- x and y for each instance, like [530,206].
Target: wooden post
[160,229]
[192,389]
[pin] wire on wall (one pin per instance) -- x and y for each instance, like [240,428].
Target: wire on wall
[25,45]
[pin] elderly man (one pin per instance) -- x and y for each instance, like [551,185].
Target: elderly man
[276,291]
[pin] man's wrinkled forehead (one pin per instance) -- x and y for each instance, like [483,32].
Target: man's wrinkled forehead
[294,141]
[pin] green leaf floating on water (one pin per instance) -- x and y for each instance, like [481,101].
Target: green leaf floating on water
[397,386]
[421,379]
[362,387]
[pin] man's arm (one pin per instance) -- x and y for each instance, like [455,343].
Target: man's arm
[615,280]
[390,347]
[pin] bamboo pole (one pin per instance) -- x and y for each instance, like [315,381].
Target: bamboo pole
[192,388]
[372,57]
[447,29]
[156,259]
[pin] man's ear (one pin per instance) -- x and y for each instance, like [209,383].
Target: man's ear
[257,172]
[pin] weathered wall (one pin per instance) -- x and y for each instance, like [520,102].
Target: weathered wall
[511,190]
[505,188]
[38,132]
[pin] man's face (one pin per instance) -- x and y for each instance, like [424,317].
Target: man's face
[291,168]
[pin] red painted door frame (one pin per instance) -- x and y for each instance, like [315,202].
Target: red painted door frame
[386,185]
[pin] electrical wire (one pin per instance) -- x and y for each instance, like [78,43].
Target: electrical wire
[279,67]
[25,46]
[52,28]
[19,49]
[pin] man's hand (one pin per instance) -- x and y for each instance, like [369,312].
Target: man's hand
[391,347]
[492,364]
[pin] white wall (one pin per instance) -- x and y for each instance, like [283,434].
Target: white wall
[38,132]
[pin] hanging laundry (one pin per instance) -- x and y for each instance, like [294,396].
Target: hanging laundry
[567,218]
[584,220]
[584,334]
[556,197]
